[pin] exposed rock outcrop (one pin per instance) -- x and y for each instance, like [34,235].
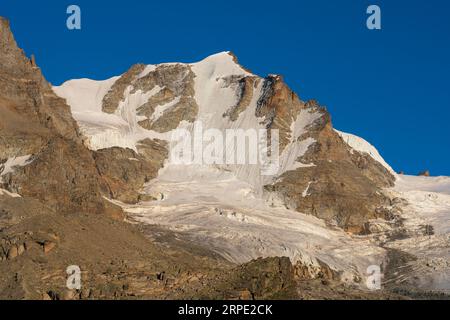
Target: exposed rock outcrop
[337,184]
[173,88]
[35,122]
[125,172]
[245,90]
[425,173]
[116,94]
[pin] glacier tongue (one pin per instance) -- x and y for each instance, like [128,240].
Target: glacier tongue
[212,206]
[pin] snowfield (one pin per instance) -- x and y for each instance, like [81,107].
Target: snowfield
[214,207]
[428,205]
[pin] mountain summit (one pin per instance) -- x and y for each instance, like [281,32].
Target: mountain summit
[148,102]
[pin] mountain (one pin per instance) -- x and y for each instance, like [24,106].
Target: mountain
[89,176]
[145,104]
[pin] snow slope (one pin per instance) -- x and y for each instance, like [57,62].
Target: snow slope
[121,129]
[213,206]
[85,96]
[213,97]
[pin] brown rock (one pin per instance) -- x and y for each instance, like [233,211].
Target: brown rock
[63,176]
[48,246]
[116,93]
[245,88]
[245,295]
[425,173]
[344,186]
[71,295]
[86,294]
[12,252]
[124,172]
[33,120]
[46,296]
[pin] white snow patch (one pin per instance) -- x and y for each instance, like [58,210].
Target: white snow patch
[297,148]
[305,192]
[4,192]
[149,68]
[303,120]
[159,110]
[85,96]
[429,201]
[293,151]
[406,183]
[121,129]
[12,163]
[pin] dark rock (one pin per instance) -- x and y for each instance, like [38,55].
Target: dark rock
[425,173]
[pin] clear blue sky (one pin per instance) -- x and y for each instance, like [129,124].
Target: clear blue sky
[391,86]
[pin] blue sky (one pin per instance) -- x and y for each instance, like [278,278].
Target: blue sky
[389,86]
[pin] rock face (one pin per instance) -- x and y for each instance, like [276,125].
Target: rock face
[112,99]
[425,173]
[35,122]
[245,91]
[125,172]
[63,176]
[173,87]
[341,186]
[30,111]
